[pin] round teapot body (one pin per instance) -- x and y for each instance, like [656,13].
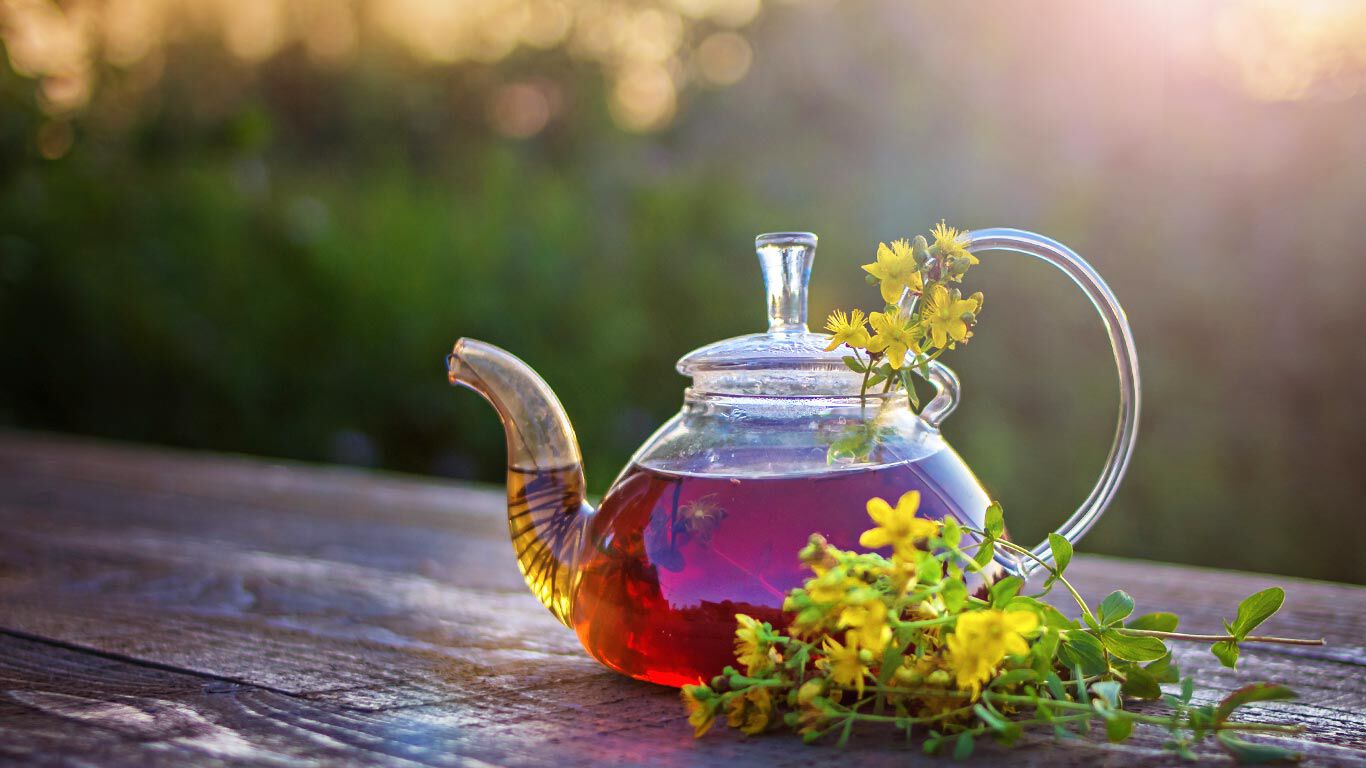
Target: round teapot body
[707,520]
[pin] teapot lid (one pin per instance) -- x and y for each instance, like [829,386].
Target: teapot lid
[788,360]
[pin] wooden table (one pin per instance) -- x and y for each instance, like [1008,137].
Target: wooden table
[170,608]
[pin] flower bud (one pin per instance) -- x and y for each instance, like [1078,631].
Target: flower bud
[920,250]
[907,676]
[810,690]
[700,692]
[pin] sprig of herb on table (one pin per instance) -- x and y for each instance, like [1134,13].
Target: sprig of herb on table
[899,642]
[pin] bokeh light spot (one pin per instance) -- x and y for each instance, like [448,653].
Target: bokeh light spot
[54,139]
[723,58]
[520,110]
[644,98]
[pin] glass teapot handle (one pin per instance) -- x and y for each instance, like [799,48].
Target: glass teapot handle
[1126,361]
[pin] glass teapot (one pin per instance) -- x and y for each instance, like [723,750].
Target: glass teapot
[707,519]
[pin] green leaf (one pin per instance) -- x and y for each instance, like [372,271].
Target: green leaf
[951,531]
[1083,650]
[1257,609]
[1117,729]
[1006,729]
[876,379]
[1002,591]
[927,569]
[1227,652]
[1249,694]
[1115,607]
[955,594]
[1044,649]
[1249,753]
[854,364]
[1201,721]
[995,521]
[1052,617]
[1055,686]
[1014,676]
[1164,670]
[985,551]
[1108,691]
[932,742]
[962,748]
[1187,690]
[1062,551]
[910,389]
[992,720]
[1140,684]
[1157,622]
[891,660]
[1132,648]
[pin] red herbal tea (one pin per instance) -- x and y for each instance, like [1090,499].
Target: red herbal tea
[673,557]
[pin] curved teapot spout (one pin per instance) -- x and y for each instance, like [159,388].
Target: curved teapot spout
[547,514]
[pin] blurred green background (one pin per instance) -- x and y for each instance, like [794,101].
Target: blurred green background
[258,226]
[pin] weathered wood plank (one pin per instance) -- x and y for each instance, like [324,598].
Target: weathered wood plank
[389,614]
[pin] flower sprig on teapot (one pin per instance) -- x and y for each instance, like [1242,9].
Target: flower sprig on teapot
[924,315]
[900,643]
[925,312]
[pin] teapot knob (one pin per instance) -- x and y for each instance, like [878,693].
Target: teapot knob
[785,259]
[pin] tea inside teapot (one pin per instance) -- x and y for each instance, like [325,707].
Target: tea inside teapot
[677,555]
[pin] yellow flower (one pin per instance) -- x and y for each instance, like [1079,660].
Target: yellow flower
[953,252]
[897,527]
[951,242]
[843,662]
[865,616]
[750,649]
[950,316]
[701,704]
[981,639]
[846,329]
[751,712]
[895,270]
[895,336]
[831,586]
[810,690]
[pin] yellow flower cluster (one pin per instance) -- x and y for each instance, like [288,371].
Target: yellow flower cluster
[982,639]
[924,314]
[899,641]
[894,631]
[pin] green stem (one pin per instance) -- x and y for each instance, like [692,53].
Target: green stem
[936,692]
[863,390]
[1219,638]
[916,597]
[913,720]
[945,619]
[1010,698]
[1085,609]
[740,681]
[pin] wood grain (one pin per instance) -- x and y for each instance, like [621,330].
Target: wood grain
[161,607]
